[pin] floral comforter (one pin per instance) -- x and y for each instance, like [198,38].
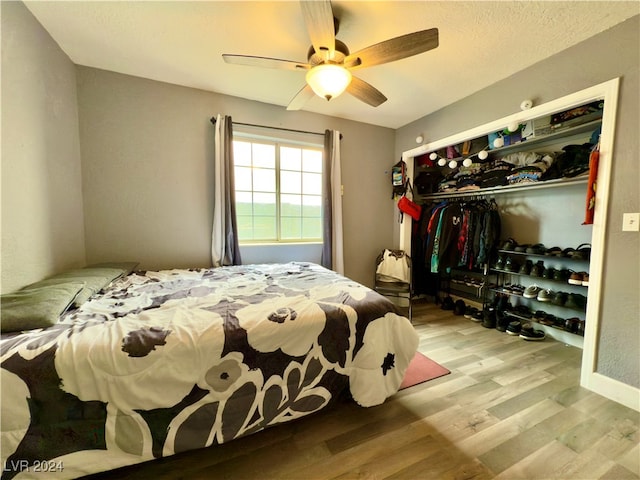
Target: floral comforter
[168,361]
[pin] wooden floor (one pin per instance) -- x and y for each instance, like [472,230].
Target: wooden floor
[510,409]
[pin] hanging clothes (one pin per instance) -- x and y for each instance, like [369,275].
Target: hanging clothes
[458,234]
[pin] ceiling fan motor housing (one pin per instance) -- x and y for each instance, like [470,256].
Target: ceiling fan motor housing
[341,52]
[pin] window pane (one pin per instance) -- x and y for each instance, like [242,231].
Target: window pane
[265,228]
[290,182]
[290,205]
[311,228]
[241,153]
[264,180]
[244,203]
[278,191]
[245,227]
[311,206]
[290,158]
[264,155]
[290,228]
[243,178]
[264,204]
[312,161]
[312,183]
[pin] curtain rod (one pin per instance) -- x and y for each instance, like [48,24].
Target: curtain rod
[213,120]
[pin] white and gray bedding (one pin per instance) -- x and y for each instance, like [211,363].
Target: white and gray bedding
[168,361]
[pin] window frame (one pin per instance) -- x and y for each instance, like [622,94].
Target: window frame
[278,143]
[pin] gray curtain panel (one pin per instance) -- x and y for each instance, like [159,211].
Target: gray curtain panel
[332,252]
[225,249]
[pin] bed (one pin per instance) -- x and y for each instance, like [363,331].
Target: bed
[161,362]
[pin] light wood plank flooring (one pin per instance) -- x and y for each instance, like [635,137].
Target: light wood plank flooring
[510,409]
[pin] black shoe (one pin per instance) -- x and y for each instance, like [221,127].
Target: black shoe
[502,320]
[528,333]
[459,307]
[560,298]
[525,269]
[575,300]
[511,265]
[489,318]
[447,303]
[537,269]
[514,327]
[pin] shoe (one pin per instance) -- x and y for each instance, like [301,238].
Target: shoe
[561,275]
[500,263]
[580,330]
[489,318]
[553,252]
[560,298]
[549,273]
[576,278]
[525,269]
[571,324]
[583,252]
[459,307]
[478,316]
[523,311]
[537,249]
[545,295]
[548,320]
[469,312]
[511,265]
[509,245]
[501,303]
[447,303]
[539,315]
[537,269]
[558,323]
[514,327]
[531,291]
[575,300]
[502,320]
[585,279]
[528,333]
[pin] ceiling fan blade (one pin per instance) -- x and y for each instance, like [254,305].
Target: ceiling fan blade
[302,97]
[365,92]
[265,62]
[394,49]
[318,17]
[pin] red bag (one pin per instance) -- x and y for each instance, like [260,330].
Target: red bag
[409,207]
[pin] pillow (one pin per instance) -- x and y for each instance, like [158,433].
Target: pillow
[36,307]
[94,279]
[127,267]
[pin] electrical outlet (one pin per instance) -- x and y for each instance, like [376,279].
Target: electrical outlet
[631,222]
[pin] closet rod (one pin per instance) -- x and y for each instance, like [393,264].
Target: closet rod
[213,120]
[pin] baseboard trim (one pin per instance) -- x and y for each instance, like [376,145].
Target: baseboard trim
[614,390]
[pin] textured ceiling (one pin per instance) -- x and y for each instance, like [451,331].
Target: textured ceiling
[182,42]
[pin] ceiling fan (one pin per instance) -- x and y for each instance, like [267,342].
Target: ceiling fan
[329,62]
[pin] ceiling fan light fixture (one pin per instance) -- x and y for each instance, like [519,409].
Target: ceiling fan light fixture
[328,80]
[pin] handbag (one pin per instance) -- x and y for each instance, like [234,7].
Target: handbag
[408,206]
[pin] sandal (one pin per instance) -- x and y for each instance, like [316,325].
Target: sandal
[554,252]
[583,252]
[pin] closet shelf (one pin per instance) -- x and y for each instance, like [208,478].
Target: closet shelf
[560,182]
[557,134]
[542,256]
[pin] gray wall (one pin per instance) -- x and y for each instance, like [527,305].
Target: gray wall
[42,217]
[147,152]
[614,53]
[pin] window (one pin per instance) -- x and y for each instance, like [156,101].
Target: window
[278,191]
